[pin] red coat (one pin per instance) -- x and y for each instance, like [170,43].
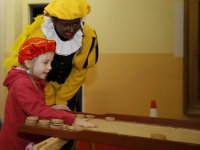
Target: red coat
[23,100]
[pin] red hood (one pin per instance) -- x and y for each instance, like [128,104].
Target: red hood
[16,73]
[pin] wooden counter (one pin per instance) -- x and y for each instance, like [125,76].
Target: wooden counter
[124,140]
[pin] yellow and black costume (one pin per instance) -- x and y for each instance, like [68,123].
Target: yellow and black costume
[72,58]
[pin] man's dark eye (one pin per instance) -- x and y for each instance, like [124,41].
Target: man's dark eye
[65,25]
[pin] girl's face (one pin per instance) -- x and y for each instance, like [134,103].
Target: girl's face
[42,66]
[67,28]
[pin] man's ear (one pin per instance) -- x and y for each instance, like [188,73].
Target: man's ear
[54,21]
[27,63]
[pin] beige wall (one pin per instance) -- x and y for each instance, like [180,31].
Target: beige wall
[126,84]
[133,26]
[2,55]
[10,29]
[14,23]
[139,42]
[136,61]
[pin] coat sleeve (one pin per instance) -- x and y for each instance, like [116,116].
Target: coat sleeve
[86,59]
[34,105]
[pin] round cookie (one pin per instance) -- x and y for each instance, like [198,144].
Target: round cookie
[31,124]
[57,121]
[90,116]
[64,126]
[79,128]
[57,124]
[69,127]
[32,118]
[31,121]
[80,116]
[44,122]
[110,119]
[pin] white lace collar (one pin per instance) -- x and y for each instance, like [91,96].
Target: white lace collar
[62,47]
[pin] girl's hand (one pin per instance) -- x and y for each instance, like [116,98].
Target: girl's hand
[61,107]
[84,122]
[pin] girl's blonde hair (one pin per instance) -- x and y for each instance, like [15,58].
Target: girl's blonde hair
[31,70]
[33,61]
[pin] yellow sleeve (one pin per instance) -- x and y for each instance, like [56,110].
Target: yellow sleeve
[89,55]
[71,86]
[49,93]
[86,59]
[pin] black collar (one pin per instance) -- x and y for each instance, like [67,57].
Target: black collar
[61,37]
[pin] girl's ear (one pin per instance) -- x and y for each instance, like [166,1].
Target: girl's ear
[27,63]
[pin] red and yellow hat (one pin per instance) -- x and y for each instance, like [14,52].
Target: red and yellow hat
[35,47]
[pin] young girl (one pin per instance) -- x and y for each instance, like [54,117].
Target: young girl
[26,95]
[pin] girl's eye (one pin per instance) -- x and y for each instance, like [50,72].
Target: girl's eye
[45,62]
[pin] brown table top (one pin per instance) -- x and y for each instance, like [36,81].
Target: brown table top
[136,142]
